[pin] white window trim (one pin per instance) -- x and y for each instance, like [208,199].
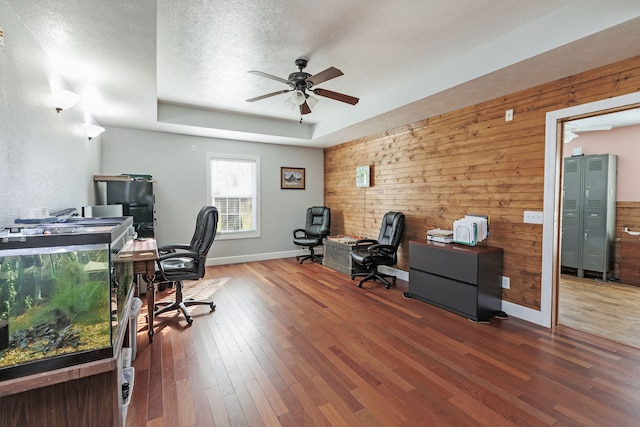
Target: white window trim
[233,235]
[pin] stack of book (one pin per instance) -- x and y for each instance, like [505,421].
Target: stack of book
[438,235]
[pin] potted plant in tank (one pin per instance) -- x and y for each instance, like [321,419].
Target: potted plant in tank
[7,299]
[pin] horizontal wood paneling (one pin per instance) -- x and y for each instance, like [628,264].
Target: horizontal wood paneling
[467,161]
[627,215]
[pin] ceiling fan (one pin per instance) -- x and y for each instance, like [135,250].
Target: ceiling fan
[572,132]
[302,84]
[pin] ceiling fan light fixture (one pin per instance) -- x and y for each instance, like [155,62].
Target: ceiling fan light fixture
[298,97]
[289,103]
[312,101]
[301,83]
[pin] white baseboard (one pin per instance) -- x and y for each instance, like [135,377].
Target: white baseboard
[524,313]
[254,257]
[400,274]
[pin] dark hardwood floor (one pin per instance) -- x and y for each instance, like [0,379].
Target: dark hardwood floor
[301,345]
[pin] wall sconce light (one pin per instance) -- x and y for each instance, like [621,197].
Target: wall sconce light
[64,99]
[93,130]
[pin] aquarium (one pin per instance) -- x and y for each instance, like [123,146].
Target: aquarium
[63,294]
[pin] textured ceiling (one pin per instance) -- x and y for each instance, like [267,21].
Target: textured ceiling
[182,66]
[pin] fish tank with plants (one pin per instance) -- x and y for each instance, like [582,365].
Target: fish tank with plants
[61,304]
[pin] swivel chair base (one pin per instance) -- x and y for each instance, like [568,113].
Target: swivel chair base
[180,304]
[373,275]
[312,256]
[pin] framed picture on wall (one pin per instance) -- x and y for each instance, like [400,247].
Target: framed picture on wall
[363,176]
[291,178]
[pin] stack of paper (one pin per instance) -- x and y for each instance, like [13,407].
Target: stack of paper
[470,230]
[438,235]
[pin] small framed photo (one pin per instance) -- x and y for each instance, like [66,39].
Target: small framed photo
[362,176]
[292,178]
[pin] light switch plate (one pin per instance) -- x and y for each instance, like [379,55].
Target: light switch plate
[506,282]
[508,115]
[533,217]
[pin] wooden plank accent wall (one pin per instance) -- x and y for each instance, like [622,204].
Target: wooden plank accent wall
[627,215]
[626,265]
[467,161]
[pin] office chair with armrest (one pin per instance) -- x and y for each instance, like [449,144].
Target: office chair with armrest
[315,230]
[371,253]
[187,262]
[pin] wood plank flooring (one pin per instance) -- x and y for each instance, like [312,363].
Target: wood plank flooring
[609,310]
[301,345]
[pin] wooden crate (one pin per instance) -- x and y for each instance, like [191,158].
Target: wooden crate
[337,255]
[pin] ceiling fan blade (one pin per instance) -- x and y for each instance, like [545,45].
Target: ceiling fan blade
[269,76]
[591,128]
[258,98]
[337,96]
[304,108]
[323,76]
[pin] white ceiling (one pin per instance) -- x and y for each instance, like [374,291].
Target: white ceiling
[182,66]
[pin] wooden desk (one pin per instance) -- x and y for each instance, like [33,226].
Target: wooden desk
[144,253]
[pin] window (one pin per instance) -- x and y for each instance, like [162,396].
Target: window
[233,189]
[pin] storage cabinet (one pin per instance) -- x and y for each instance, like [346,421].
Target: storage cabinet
[588,213]
[466,280]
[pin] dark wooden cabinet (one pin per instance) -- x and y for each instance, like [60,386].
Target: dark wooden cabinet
[466,280]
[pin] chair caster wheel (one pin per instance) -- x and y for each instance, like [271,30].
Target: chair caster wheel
[353,277]
[189,321]
[212,306]
[388,286]
[359,285]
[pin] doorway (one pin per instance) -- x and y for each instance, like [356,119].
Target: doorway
[548,315]
[595,295]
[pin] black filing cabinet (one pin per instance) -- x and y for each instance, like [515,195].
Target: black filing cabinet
[466,280]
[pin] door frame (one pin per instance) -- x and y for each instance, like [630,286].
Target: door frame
[547,315]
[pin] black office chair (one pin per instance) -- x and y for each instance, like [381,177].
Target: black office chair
[315,230]
[371,253]
[187,262]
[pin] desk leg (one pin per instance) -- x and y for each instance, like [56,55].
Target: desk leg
[151,303]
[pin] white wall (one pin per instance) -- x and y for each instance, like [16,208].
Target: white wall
[181,187]
[44,161]
[622,142]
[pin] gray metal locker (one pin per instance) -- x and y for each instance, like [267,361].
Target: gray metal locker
[588,212]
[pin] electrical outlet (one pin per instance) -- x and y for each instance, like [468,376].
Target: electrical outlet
[533,217]
[506,282]
[508,115]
